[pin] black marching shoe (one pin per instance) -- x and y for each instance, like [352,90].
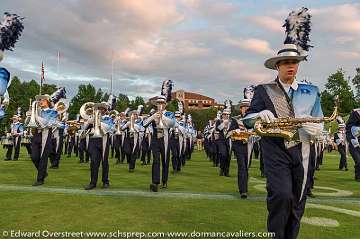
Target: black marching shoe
[243,195]
[90,186]
[164,186]
[357,179]
[106,185]
[6,159]
[15,159]
[38,183]
[154,187]
[221,172]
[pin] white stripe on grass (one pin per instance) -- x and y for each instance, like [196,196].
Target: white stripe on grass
[160,194]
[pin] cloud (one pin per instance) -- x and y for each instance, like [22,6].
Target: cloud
[271,24]
[252,44]
[216,46]
[343,18]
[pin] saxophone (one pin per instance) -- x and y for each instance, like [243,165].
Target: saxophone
[287,127]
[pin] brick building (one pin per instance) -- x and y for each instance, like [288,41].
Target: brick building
[192,100]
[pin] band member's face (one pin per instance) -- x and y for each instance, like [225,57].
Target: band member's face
[287,69]
[44,103]
[178,118]
[243,109]
[249,94]
[15,120]
[122,116]
[102,111]
[161,106]
[225,116]
[135,116]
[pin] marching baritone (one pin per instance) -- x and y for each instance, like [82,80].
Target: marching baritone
[43,118]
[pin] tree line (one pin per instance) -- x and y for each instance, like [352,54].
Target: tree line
[22,91]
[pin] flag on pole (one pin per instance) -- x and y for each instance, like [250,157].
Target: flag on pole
[42,72]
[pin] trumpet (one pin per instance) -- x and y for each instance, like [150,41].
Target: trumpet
[287,127]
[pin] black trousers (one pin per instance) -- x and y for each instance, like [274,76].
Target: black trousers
[16,145]
[241,153]
[342,152]
[40,161]
[312,167]
[83,150]
[28,148]
[158,150]
[320,156]
[117,146]
[132,154]
[355,154]
[97,157]
[145,151]
[71,145]
[224,156]
[175,154]
[55,155]
[284,173]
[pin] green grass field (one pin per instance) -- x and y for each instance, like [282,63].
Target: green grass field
[196,199]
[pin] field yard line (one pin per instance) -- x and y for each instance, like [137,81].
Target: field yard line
[161,194]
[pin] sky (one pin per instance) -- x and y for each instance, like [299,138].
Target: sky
[215,48]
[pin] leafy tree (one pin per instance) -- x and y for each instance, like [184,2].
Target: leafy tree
[337,85]
[201,117]
[356,83]
[86,93]
[122,102]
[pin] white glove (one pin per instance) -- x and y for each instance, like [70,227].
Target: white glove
[312,129]
[267,116]
[355,142]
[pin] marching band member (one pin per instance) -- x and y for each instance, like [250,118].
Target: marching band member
[210,142]
[58,128]
[177,135]
[286,163]
[134,127]
[43,118]
[161,122]
[223,143]
[122,121]
[340,140]
[175,144]
[102,126]
[240,147]
[352,135]
[83,142]
[145,145]
[191,136]
[16,132]
[116,138]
